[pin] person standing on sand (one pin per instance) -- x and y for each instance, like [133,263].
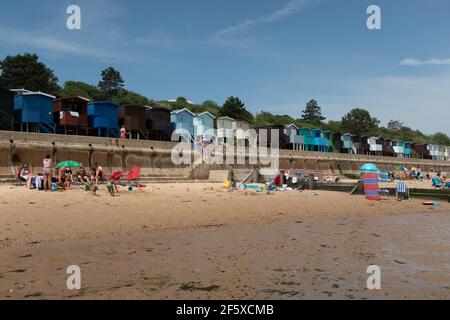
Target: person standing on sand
[48,172]
[123,133]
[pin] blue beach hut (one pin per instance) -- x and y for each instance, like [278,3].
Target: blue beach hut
[104,118]
[182,123]
[33,111]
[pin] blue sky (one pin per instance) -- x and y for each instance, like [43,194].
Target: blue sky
[275,55]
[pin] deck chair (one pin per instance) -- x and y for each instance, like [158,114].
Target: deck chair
[372,189]
[401,189]
[133,176]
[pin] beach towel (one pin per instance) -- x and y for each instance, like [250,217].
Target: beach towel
[371,188]
[384,176]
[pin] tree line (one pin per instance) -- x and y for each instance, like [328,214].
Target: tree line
[26,71]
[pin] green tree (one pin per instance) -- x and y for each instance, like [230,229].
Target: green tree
[313,113]
[81,89]
[25,71]
[359,122]
[123,97]
[111,82]
[395,126]
[440,138]
[211,106]
[181,103]
[235,108]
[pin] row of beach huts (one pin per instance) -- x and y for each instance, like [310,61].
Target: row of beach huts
[27,111]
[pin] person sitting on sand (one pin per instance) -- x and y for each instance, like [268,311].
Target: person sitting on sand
[82,175]
[436,182]
[65,178]
[25,175]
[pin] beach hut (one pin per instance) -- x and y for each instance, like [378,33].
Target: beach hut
[343,143]
[70,115]
[320,142]
[33,111]
[133,118]
[447,153]
[329,136]
[375,145]
[387,146]
[265,134]
[104,118]
[399,148]
[225,133]
[308,139]
[6,110]
[437,152]
[407,150]
[241,129]
[182,124]
[296,140]
[361,144]
[204,127]
[422,150]
[158,122]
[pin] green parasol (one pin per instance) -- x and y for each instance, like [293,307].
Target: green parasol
[69,164]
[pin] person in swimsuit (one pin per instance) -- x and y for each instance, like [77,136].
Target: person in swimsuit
[48,172]
[123,133]
[97,173]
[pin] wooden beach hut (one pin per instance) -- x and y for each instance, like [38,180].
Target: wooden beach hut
[361,144]
[158,120]
[375,146]
[388,147]
[308,139]
[264,134]
[133,118]
[204,127]
[182,124]
[296,141]
[243,138]
[33,111]
[422,150]
[70,115]
[225,133]
[104,118]
[320,142]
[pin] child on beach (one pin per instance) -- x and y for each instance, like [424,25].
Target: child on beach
[111,187]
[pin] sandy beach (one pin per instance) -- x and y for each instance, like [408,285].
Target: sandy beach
[189,241]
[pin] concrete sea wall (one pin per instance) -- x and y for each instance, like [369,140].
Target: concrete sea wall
[155,156]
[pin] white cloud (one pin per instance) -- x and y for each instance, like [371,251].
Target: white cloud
[291,8]
[51,43]
[416,62]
